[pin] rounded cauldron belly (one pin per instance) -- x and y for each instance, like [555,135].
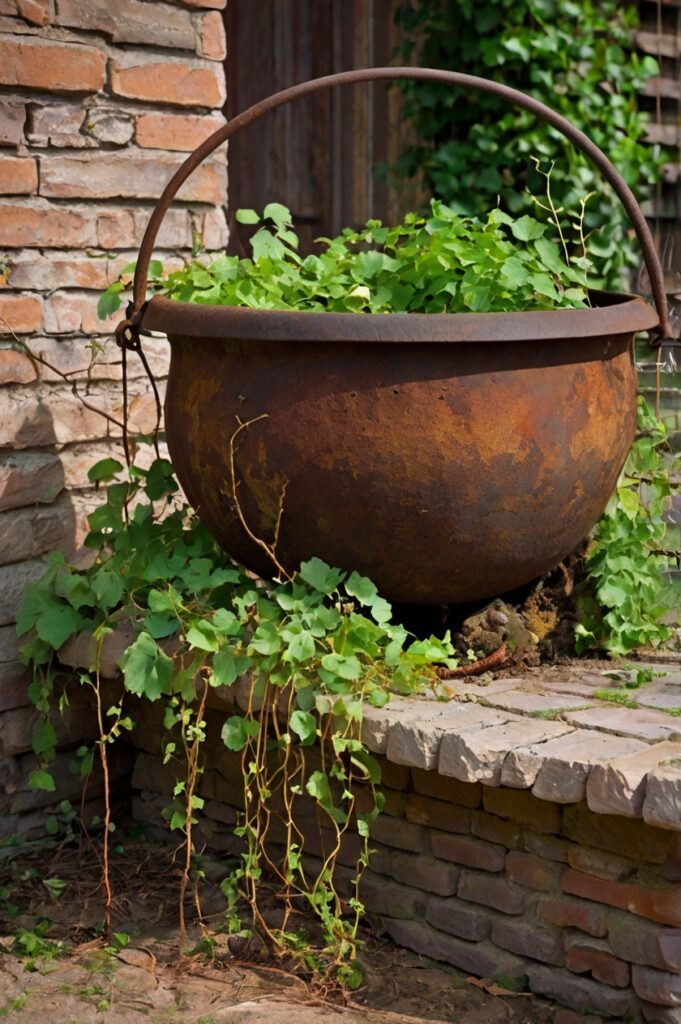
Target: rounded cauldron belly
[444,472]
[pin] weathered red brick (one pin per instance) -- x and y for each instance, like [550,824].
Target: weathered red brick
[656,987]
[496,830]
[600,863]
[492,891]
[581,994]
[660,1014]
[37,12]
[437,814]
[70,312]
[41,224]
[600,963]
[27,478]
[381,896]
[18,175]
[22,225]
[644,943]
[130,21]
[424,872]
[532,872]
[213,43]
[12,118]
[526,939]
[30,532]
[472,853]
[182,132]
[22,313]
[127,174]
[15,367]
[394,775]
[214,232]
[478,958]
[13,582]
[567,913]
[185,83]
[545,846]
[46,64]
[57,124]
[617,834]
[48,271]
[521,806]
[458,918]
[663,905]
[402,834]
[467,794]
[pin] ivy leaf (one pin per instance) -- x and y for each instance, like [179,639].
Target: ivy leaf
[247,217]
[345,667]
[104,471]
[266,639]
[362,588]
[526,228]
[304,725]
[237,731]
[302,646]
[317,786]
[44,738]
[109,587]
[279,214]
[41,779]
[110,301]
[147,670]
[203,635]
[266,246]
[318,575]
[57,623]
[227,667]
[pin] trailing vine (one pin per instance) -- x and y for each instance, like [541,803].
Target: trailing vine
[576,55]
[306,654]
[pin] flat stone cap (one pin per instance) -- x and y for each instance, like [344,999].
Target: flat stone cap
[546,731]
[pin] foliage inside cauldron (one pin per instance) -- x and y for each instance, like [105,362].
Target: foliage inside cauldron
[443,263]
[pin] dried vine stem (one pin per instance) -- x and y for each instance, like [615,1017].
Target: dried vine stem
[269,549]
[39,360]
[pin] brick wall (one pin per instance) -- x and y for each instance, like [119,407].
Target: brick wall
[581,908]
[99,103]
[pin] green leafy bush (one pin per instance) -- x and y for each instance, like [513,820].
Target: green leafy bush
[577,56]
[444,263]
[623,560]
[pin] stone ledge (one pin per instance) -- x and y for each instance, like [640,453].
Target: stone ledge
[543,732]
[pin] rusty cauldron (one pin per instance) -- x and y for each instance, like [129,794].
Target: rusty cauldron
[449,457]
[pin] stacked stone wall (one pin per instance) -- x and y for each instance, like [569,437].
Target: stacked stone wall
[578,907]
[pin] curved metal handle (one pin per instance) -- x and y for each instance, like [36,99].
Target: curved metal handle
[513,96]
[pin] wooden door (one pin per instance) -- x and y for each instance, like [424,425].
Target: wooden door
[318,155]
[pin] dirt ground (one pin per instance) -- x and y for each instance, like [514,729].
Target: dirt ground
[72,977]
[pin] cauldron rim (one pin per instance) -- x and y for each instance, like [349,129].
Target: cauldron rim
[615,313]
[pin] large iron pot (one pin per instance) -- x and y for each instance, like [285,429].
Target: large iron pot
[447,457]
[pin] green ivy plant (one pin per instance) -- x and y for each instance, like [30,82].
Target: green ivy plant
[443,263]
[577,56]
[309,652]
[624,561]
